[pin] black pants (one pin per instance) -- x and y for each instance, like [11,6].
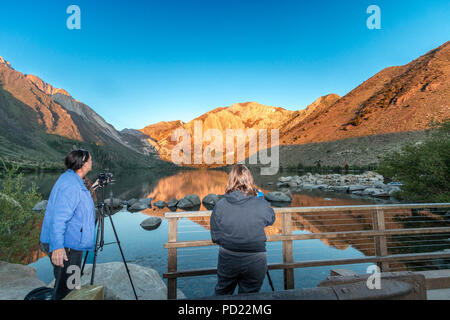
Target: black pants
[74,257]
[247,270]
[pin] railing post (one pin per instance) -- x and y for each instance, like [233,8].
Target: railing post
[380,241]
[172,259]
[288,256]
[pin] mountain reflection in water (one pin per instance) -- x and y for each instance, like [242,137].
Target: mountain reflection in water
[146,247]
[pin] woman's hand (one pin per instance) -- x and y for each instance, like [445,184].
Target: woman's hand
[58,257]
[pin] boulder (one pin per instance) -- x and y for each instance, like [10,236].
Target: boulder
[193,198]
[210,199]
[160,204]
[284,179]
[356,187]
[151,223]
[172,203]
[292,184]
[381,194]
[131,202]
[277,196]
[146,201]
[115,203]
[40,206]
[17,280]
[341,189]
[370,191]
[138,206]
[87,293]
[184,204]
[307,186]
[379,184]
[375,192]
[113,276]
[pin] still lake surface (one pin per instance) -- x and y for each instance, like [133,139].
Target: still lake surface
[146,247]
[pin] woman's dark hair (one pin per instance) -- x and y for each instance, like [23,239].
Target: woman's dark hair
[76,159]
[88,185]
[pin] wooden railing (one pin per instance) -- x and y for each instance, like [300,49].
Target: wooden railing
[379,232]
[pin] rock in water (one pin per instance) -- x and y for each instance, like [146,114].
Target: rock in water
[131,202]
[278,196]
[115,203]
[160,204]
[195,199]
[138,206]
[151,223]
[87,293]
[172,203]
[146,201]
[210,199]
[17,280]
[184,204]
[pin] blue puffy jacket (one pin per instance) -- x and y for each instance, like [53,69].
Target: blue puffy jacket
[69,220]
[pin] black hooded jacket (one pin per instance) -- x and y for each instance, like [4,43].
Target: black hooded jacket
[238,222]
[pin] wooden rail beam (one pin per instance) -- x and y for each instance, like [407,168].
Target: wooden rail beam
[321,263]
[324,235]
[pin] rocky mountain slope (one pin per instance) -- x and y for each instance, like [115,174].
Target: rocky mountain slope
[395,101]
[41,123]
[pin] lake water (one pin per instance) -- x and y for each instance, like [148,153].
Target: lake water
[146,247]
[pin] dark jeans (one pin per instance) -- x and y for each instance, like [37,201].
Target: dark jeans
[74,257]
[247,270]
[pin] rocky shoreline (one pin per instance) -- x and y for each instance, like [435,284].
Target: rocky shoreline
[370,184]
[17,280]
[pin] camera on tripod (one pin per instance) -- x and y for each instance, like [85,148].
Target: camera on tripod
[105,210]
[104,178]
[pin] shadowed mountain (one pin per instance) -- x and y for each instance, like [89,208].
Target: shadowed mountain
[40,124]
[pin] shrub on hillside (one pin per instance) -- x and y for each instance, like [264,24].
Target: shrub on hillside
[19,225]
[424,169]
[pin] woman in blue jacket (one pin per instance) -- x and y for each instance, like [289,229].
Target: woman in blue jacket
[237,226]
[69,221]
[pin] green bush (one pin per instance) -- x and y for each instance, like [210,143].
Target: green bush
[424,169]
[19,225]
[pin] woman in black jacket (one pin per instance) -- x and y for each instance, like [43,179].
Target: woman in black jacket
[237,226]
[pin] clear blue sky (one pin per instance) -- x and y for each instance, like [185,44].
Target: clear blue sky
[139,62]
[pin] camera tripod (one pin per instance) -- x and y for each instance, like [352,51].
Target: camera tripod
[99,241]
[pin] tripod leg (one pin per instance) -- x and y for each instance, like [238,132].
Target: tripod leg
[86,255]
[123,257]
[270,280]
[99,226]
[84,262]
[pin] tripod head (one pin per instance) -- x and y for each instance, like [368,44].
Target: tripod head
[104,179]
